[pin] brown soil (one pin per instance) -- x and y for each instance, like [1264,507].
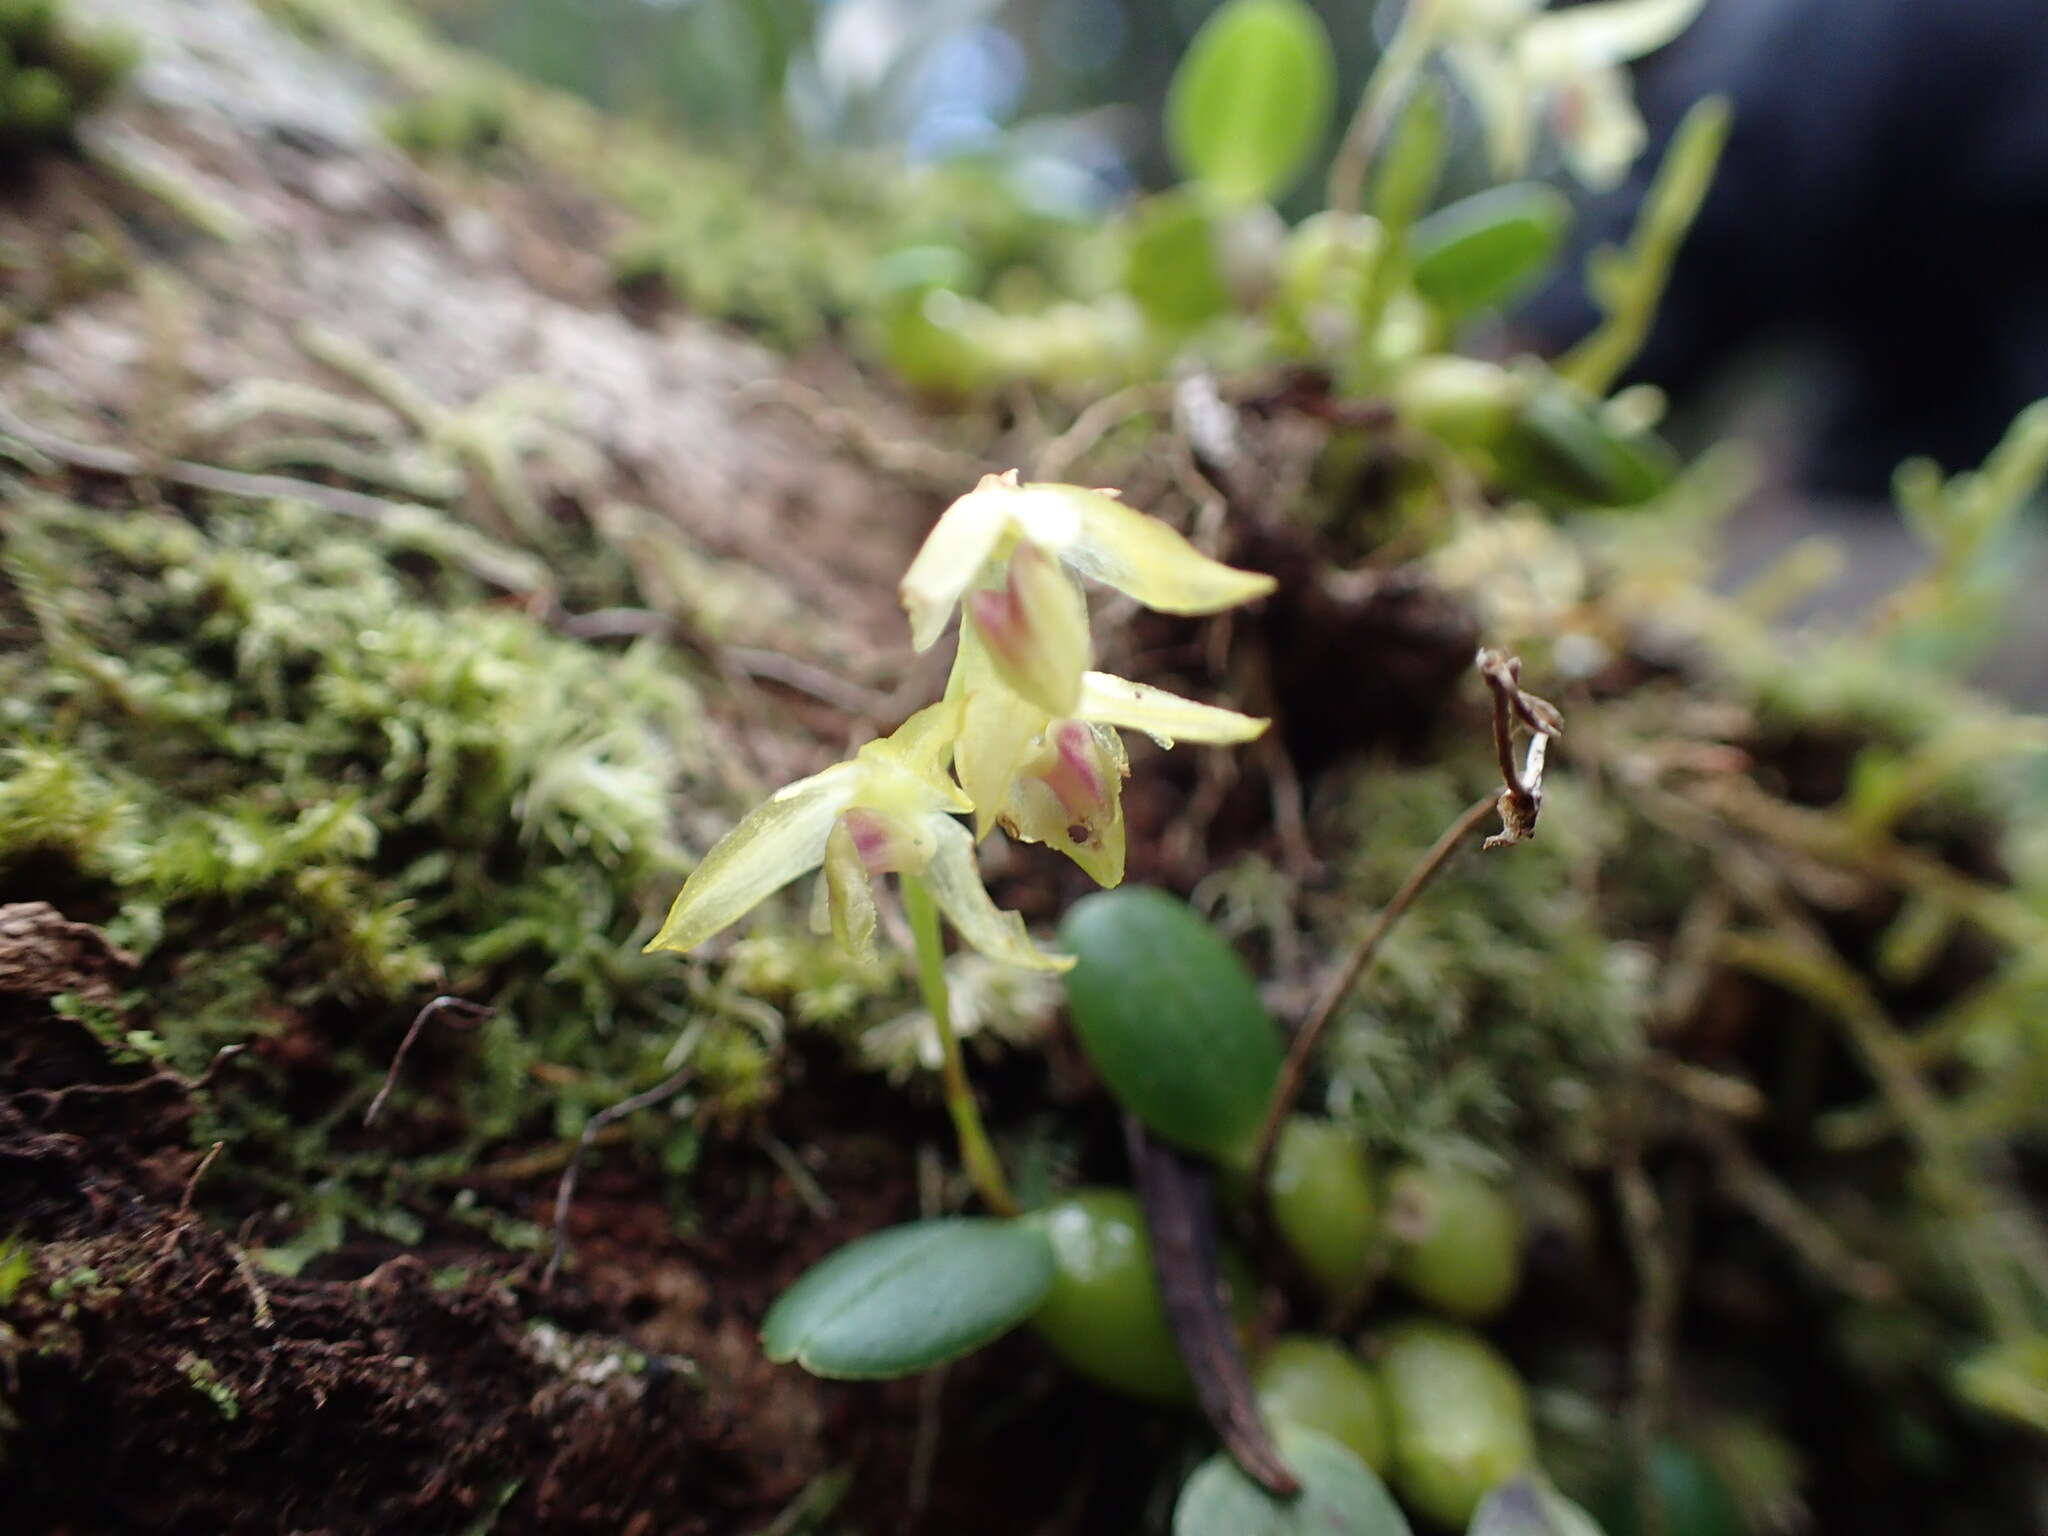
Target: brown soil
[154,1378]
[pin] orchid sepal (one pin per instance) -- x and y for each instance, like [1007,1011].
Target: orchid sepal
[1091,532]
[890,810]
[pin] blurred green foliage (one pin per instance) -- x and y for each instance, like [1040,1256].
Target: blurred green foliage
[53,70]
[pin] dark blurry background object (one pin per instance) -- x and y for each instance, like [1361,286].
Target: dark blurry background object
[1879,222]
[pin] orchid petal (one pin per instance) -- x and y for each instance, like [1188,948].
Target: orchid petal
[849,895]
[780,839]
[954,879]
[1599,131]
[1502,100]
[960,545]
[1121,547]
[1074,801]
[1034,630]
[920,747]
[1165,717]
[1560,44]
[995,739]
[1483,18]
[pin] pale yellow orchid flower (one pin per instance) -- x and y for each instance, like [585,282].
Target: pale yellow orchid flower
[978,547]
[1058,779]
[1521,64]
[890,810]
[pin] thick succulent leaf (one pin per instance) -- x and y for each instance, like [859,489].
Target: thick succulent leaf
[954,879]
[1560,449]
[1171,1018]
[1340,1496]
[1165,717]
[1250,102]
[1483,250]
[1414,160]
[1173,267]
[909,1298]
[780,839]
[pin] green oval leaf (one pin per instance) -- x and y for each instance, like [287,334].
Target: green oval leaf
[1171,1018]
[1527,1506]
[1339,1496]
[1250,102]
[1171,264]
[1460,1416]
[1481,251]
[1559,450]
[909,1298]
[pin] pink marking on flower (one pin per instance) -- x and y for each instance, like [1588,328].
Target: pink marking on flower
[1075,773]
[999,615]
[874,840]
[1568,111]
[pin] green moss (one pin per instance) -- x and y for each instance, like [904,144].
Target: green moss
[461,123]
[1512,993]
[312,779]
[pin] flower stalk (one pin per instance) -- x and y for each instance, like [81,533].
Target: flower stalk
[977,1152]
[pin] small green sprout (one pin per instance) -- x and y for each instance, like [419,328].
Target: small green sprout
[17,1263]
[206,1381]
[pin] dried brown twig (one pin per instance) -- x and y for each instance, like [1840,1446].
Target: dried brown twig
[1518,804]
[456,1007]
[565,1192]
[1179,1200]
[1521,801]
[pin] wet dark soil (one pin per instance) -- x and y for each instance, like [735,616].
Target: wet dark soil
[154,1377]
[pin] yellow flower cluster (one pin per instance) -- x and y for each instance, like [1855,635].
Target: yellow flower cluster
[1026,736]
